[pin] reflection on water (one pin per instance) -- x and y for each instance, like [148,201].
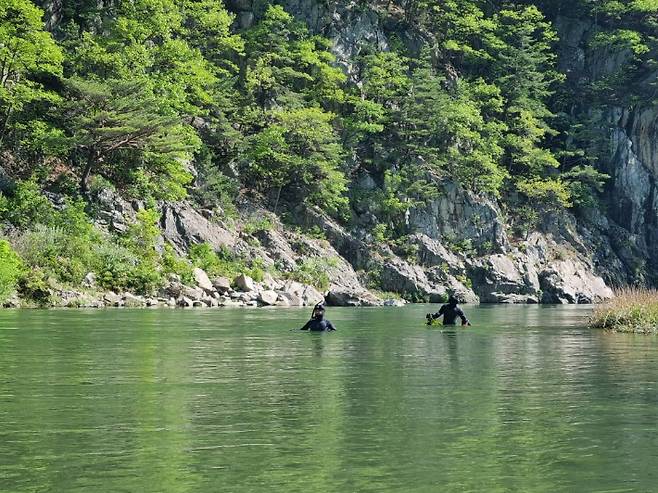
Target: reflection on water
[231,400]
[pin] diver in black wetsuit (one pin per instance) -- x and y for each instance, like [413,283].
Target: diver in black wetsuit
[317,322]
[450,312]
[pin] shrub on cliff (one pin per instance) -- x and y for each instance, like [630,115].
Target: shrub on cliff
[11,267]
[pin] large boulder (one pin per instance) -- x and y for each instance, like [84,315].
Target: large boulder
[432,253]
[496,277]
[192,293]
[351,298]
[172,289]
[244,283]
[112,299]
[293,287]
[133,301]
[311,296]
[185,302]
[182,225]
[222,285]
[268,297]
[401,277]
[290,299]
[202,280]
[571,281]
[89,280]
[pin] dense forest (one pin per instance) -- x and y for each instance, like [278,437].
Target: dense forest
[172,100]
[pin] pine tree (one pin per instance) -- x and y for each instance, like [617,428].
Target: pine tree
[116,128]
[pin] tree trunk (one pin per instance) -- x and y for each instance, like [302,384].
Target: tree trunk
[92,161]
[278,196]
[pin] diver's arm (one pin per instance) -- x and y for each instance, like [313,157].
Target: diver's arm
[440,312]
[433,316]
[330,326]
[463,317]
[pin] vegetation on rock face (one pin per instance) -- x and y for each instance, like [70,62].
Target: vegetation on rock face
[631,310]
[10,269]
[157,98]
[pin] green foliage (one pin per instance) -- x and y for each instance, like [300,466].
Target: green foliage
[632,310]
[117,129]
[447,132]
[172,263]
[56,241]
[620,39]
[379,233]
[142,239]
[224,263]
[584,183]
[133,95]
[26,205]
[297,157]
[34,286]
[314,271]
[406,249]
[526,219]
[463,246]
[550,192]
[115,265]
[525,72]
[28,56]
[11,267]
[255,225]
[55,252]
[288,66]
[215,189]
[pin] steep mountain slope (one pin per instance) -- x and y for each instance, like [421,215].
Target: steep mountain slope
[504,153]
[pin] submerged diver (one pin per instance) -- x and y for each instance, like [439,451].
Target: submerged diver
[317,322]
[450,312]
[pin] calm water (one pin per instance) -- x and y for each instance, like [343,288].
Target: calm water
[230,400]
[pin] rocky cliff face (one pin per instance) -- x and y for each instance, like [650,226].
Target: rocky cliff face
[568,261]
[629,225]
[460,242]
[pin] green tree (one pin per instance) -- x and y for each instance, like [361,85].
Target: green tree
[297,157]
[11,267]
[287,66]
[28,56]
[524,71]
[118,131]
[444,129]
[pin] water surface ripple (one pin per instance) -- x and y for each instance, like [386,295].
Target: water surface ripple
[231,400]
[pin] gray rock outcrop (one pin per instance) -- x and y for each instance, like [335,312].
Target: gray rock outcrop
[202,280]
[350,298]
[268,297]
[571,281]
[184,226]
[501,279]
[244,283]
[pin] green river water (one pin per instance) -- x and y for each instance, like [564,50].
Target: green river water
[526,400]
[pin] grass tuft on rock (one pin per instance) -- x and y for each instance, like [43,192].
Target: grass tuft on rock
[631,310]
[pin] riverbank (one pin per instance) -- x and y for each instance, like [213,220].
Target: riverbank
[631,310]
[242,291]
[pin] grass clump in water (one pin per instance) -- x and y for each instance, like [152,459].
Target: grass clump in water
[631,310]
